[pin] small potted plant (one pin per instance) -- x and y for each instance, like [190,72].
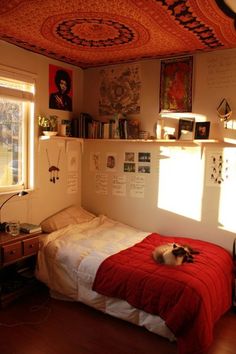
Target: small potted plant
[48,124]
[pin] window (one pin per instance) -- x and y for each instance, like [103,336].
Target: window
[16,131]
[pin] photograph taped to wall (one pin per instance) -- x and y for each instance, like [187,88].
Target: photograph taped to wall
[144,157]
[129,167]
[144,169]
[129,156]
[111,160]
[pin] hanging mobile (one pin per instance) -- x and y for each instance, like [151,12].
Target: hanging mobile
[53,170]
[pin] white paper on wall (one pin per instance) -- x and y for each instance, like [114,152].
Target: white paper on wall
[72,171]
[95,161]
[220,167]
[137,185]
[101,183]
[72,182]
[119,186]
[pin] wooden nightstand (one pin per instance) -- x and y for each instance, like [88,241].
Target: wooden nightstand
[17,263]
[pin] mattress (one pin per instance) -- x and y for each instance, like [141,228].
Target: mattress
[109,266]
[68,260]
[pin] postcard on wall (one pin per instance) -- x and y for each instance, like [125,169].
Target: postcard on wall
[176,85]
[119,184]
[144,157]
[94,163]
[144,169]
[101,183]
[129,156]
[60,88]
[120,89]
[129,167]
[137,185]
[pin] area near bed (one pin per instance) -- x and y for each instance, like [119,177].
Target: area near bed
[109,266]
[190,298]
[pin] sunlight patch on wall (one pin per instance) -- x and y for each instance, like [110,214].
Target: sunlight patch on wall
[227,216]
[181,182]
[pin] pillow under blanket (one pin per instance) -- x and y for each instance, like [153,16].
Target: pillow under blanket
[65,217]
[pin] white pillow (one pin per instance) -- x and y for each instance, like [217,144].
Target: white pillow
[65,217]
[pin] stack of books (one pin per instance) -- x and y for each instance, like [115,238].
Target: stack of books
[30,228]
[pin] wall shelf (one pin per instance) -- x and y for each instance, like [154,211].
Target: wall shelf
[57,137]
[168,142]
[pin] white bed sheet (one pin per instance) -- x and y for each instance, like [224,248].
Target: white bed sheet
[68,260]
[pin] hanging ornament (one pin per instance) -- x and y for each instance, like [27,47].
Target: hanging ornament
[53,170]
[224,112]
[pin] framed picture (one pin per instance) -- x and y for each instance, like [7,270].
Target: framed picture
[176,85]
[186,128]
[202,130]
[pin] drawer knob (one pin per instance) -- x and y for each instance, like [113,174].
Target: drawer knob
[12,252]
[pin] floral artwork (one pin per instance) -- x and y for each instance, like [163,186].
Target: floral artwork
[176,85]
[120,90]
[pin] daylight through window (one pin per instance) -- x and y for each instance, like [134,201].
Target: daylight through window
[16,112]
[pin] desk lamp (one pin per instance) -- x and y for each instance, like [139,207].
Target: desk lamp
[20,194]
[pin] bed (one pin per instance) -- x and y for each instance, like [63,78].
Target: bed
[109,265]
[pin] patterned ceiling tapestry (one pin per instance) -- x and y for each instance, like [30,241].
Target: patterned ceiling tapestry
[95,33]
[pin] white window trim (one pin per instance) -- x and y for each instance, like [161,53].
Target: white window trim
[16,74]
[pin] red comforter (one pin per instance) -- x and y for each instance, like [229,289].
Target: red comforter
[190,297]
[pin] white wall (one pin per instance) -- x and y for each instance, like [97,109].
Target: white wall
[178,198]
[169,188]
[47,197]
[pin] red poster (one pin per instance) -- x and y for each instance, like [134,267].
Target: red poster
[60,88]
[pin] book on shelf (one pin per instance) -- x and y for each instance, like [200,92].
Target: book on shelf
[30,228]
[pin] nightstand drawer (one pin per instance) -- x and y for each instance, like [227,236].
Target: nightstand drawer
[11,253]
[30,246]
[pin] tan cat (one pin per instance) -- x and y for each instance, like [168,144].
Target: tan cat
[173,254]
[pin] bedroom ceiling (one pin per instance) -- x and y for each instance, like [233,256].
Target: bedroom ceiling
[93,33]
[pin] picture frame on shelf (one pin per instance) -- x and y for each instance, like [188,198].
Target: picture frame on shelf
[202,130]
[186,129]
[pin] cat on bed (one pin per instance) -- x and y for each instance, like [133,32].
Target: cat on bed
[173,254]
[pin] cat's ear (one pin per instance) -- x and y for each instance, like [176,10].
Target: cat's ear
[174,245]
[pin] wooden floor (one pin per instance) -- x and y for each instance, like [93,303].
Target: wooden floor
[37,324]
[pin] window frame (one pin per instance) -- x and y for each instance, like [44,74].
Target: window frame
[28,134]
